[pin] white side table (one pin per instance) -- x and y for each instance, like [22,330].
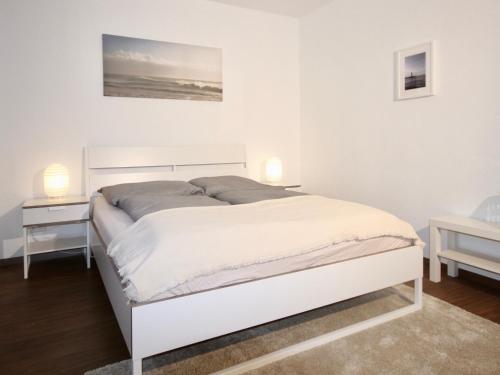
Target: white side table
[291,187]
[286,186]
[453,225]
[55,212]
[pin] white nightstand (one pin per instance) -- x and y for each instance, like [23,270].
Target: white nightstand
[293,187]
[284,185]
[54,212]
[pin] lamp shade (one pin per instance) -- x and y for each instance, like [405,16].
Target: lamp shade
[274,170]
[56,180]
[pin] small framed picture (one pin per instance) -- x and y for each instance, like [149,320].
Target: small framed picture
[415,71]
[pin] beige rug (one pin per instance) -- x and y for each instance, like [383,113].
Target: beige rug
[440,339]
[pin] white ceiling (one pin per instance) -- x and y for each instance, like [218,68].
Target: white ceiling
[294,8]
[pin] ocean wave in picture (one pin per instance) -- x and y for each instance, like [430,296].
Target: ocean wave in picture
[161,88]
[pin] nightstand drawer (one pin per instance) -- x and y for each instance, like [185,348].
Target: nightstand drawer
[55,214]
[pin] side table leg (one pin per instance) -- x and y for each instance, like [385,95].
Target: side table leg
[435,249]
[452,245]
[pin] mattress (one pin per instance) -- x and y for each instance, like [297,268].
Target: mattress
[110,221]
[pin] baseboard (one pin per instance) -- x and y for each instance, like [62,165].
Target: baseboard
[42,257]
[10,261]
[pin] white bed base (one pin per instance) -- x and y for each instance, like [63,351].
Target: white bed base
[160,326]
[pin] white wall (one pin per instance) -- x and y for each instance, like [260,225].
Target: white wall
[416,158]
[51,93]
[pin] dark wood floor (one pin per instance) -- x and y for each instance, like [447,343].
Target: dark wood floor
[60,321]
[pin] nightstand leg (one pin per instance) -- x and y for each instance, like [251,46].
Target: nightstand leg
[25,252]
[435,249]
[452,245]
[88,245]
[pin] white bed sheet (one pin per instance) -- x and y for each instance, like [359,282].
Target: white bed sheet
[110,221]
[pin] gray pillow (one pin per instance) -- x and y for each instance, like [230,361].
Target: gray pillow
[221,184]
[114,194]
[140,205]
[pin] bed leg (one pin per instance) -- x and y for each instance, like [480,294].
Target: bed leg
[417,299]
[137,366]
[326,338]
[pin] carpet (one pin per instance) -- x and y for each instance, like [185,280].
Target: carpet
[439,339]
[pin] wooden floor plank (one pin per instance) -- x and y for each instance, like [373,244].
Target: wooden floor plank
[59,321]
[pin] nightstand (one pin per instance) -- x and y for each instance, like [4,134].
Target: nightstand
[55,212]
[283,185]
[293,187]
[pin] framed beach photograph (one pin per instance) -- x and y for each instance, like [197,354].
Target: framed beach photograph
[415,72]
[142,68]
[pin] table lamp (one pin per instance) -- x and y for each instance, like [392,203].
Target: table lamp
[274,170]
[56,180]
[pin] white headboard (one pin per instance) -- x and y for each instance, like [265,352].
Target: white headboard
[114,165]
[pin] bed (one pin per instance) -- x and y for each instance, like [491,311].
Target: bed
[173,319]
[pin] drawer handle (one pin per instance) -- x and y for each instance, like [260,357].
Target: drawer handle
[57,208]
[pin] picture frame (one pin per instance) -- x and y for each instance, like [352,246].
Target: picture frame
[415,71]
[143,68]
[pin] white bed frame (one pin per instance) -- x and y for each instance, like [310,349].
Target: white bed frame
[159,326]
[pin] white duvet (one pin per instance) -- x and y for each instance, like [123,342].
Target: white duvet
[168,248]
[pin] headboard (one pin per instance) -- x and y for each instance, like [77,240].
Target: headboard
[114,165]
